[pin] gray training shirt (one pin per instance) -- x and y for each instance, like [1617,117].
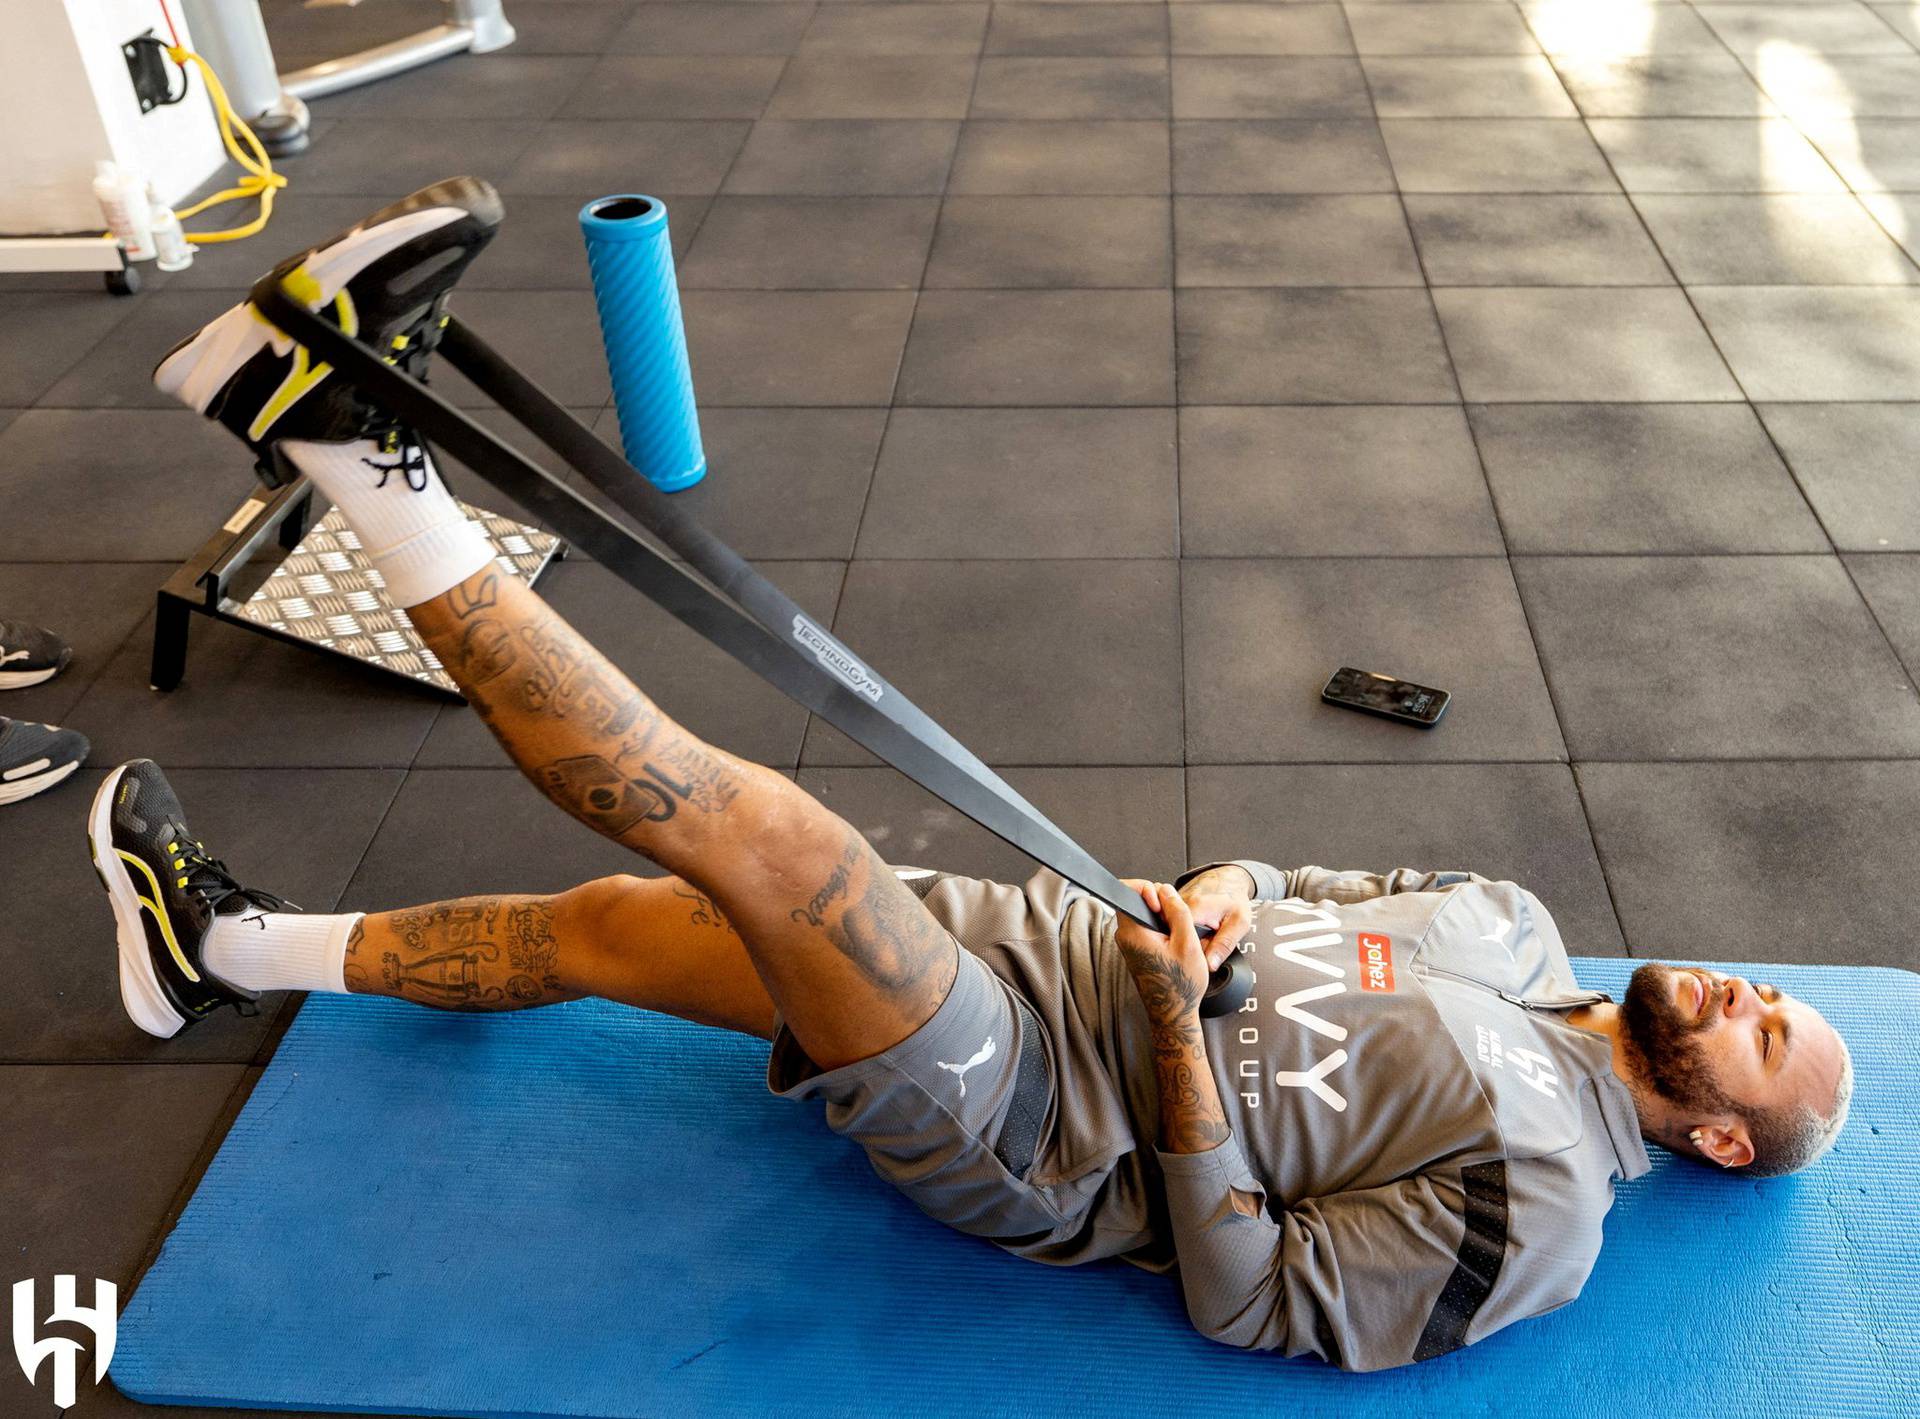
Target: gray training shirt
[1431,1146]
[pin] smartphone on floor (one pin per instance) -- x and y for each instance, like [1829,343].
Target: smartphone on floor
[1373,693]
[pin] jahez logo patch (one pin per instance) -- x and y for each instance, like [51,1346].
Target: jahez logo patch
[1376,962]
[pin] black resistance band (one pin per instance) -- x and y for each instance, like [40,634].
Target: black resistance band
[728,602]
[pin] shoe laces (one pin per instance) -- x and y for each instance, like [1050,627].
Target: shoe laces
[198,871]
[397,439]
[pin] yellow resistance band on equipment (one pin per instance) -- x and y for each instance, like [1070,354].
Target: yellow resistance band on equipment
[261,180]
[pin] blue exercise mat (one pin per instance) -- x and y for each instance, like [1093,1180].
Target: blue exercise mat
[588,1210]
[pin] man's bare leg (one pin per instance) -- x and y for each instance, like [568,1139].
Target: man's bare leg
[658,943]
[849,956]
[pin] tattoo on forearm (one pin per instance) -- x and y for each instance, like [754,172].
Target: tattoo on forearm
[478,953]
[1192,1118]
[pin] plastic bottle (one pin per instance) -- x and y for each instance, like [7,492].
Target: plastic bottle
[123,198]
[170,241]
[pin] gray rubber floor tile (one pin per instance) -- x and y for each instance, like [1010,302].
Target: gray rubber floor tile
[539,245]
[479,832]
[298,833]
[118,373]
[507,84]
[92,606]
[1495,155]
[1260,29]
[1024,483]
[1533,240]
[1482,29]
[553,336]
[1293,241]
[1618,30]
[1077,30]
[1040,347]
[781,483]
[1775,239]
[1772,861]
[1284,87]
[1819,342]
[795,347]
[1855,463]
[802,243]
[1603,344]
[726,28]
[568,26]
[250,700]
[95,1158]
[896,29]
[1280,155]
[70,475]
[1891,585]
[1311,347]
[873,86]
[1019,87]
[1716,658]
[694,681]
[1509,822]
[1453,623]
[1664,85]
[845,157]
[477,491]
[1639,478]
[1114,158]
[7,416]
[1016,643]
[676,86]
[1051,242]
[589,158]
[1822,30]
[1873,155]
[1456,86]
[1131,818]
[1316,482]
[386,158]
[1713,155]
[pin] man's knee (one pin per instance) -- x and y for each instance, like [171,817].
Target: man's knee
[600,907]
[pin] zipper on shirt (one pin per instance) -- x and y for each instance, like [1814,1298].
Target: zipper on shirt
[1590,998]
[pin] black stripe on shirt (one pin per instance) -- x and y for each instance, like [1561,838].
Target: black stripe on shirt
[1483,1246]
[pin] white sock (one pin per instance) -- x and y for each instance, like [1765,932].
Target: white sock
[280,950]
[418,539]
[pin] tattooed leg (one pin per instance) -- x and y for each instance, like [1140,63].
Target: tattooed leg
[852,959]
[660,944]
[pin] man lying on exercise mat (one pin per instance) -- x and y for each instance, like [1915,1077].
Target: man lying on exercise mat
[1405,1140]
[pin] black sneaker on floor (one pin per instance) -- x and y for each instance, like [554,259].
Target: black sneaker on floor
[166,891]
[29,655]
[384,282]
[34,757]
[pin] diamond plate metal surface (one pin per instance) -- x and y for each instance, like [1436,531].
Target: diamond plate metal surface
[327,593]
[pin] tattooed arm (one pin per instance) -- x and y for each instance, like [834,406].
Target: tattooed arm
[1170,973]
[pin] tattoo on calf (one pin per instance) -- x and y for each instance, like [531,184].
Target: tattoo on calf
[450,955]
[483,597]
[355,974]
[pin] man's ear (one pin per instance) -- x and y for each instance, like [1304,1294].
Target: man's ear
[1724,1145]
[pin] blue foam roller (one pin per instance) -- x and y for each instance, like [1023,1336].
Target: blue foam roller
[631,257]
[588,1210]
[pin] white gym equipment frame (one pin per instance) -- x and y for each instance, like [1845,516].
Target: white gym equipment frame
[233,38]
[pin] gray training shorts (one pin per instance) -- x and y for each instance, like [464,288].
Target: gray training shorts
[964,1116]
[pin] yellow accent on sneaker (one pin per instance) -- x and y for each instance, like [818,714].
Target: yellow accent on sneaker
[160,914]
[303,376]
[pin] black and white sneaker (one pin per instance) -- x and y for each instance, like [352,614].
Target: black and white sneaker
[384,282]
[166,891]
[29,655]
[34,757]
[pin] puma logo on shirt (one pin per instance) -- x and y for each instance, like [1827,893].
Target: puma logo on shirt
[981,1056]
